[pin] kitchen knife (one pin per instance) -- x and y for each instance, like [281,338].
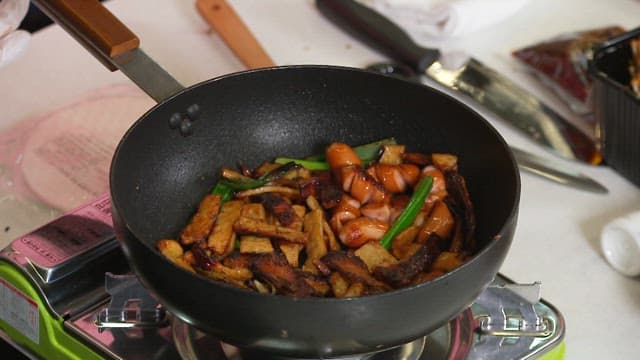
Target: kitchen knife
[473,79]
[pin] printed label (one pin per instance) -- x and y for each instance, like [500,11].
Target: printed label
[19,311]
[68,235]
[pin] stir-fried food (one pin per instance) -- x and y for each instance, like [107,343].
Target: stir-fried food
[350,222]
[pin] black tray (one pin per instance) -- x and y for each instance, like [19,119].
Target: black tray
[616,106]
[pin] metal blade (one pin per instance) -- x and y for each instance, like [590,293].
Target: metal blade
[147,74]
[549,170]
[515,105]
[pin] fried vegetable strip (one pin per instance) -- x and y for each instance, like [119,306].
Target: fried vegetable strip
[251,243]
[447,261]
[351,268]
[401,274]
[172,250]
[292,250]
[284,190]
[403,245]
[374,255]
[236,276]
[248,226]
[222,236]
[392,154]
[316,246]
[280,208]
[275,270]
[445,162]
[201,223]
[339,285]
[332,242]
[462,208]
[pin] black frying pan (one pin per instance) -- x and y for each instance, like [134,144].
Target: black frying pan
[159,174]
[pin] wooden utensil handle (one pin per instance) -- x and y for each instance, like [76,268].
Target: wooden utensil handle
[95,27]
[228,24]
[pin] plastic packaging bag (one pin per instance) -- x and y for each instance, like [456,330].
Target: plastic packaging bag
[562,64]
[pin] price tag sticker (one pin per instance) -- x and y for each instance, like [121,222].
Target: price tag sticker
[69,235]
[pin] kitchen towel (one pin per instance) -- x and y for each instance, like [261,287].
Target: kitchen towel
[12,42]
[427,20]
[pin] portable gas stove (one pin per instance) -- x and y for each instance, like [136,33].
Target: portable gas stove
[66,292]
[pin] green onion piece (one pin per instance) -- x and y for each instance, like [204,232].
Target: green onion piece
[278,172]
[369,152]
[224,190]
[307,164]
[409,213]
[242,184]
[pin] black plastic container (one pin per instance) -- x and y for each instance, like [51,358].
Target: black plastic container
[616,106]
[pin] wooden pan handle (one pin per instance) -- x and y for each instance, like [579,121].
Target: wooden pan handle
[226,22]
[95,27]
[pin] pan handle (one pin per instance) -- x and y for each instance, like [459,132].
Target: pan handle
[95,27]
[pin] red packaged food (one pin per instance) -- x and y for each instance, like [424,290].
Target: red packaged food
[562,64]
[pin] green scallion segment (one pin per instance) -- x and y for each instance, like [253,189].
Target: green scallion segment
[307,164]
[224,190]
[369,152]
[409,213]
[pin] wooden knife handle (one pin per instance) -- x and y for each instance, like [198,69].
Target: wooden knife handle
[226,22]
[95,27]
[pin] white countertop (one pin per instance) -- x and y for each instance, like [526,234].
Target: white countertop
[557,238]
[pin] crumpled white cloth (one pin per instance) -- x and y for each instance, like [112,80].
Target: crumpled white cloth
[13,42]
[428,20]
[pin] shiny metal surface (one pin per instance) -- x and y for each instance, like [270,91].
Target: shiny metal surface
[65,258]
[508,321]
[549,170]
[131,305]
[517,107]
[148,75]
[193,344]
[516,328]
[123,343]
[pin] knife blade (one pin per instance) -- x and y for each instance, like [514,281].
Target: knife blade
[480,83]
[554,172]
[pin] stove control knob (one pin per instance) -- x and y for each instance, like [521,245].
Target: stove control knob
[620,241]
